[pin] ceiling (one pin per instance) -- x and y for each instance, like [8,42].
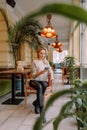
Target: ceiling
[61,24]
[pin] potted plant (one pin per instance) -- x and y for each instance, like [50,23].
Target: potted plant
[23,31]
[69,63]
[80,98]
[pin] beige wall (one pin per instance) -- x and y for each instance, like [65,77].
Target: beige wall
[6,59]
[85,45]
[74,46]
[76,2]
[50,54]
[27,53]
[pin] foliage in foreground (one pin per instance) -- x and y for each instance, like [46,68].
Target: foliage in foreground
[66,110]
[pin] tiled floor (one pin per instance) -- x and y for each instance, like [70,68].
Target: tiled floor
[16,117]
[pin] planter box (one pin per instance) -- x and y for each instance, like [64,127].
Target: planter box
[5,86]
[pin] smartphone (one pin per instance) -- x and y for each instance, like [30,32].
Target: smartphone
[46,68]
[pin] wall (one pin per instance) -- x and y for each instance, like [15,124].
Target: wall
[74,45]
[27,53]
[85,45]
[5,55]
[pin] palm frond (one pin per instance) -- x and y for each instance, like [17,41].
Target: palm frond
[22,29]
[63,9]
[25,30]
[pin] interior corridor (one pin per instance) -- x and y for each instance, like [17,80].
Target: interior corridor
[16,117]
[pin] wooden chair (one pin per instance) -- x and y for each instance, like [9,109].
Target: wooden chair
[65,75]
[29,90]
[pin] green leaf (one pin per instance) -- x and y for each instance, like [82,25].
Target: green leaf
[79,101]
[38,124]
[68,10]
[63,114]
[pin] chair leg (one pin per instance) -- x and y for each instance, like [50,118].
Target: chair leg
[44,100]
[62,80]
[25,97]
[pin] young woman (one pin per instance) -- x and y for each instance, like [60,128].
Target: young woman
[42,77]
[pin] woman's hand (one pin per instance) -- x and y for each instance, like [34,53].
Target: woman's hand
[43,71]
[39,73]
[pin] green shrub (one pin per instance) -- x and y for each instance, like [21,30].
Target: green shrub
[5,86]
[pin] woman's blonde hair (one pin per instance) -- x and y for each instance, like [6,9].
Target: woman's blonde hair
[42,48]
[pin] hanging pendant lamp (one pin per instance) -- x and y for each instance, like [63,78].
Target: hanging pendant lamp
[48,31]
[59,50]
[57,44]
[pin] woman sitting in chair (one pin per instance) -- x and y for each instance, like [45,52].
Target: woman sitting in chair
[40,73]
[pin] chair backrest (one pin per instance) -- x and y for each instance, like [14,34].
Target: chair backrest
[65,71]
[65,74]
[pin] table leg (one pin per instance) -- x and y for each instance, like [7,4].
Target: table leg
[21,94]
[13,100]
[13,87]
[22,89]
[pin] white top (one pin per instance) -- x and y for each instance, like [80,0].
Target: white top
[39,65]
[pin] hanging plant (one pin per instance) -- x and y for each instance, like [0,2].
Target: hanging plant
[25,30]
